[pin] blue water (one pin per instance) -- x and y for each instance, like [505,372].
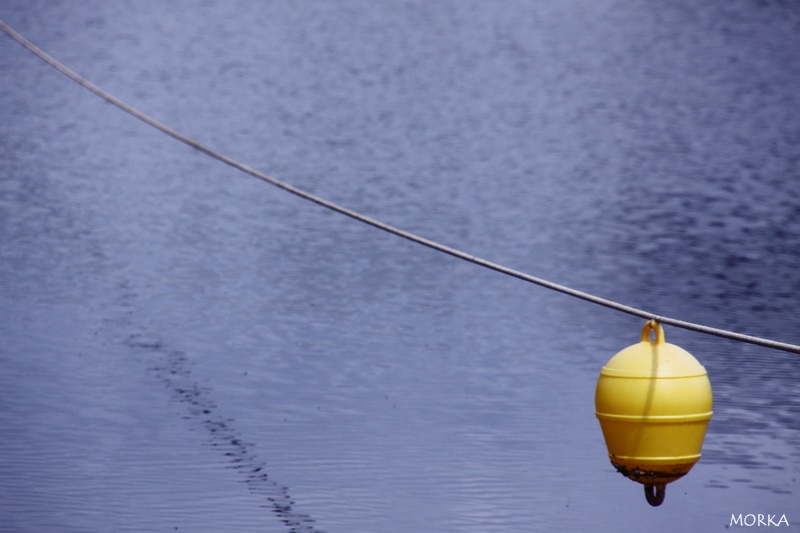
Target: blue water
[187,348]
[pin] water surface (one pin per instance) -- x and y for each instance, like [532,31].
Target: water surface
[187,348]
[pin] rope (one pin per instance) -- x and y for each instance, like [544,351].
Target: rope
[386,227]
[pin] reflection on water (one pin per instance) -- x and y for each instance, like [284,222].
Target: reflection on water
[173,371]
[186,348]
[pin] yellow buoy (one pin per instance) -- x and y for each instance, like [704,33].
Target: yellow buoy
[653,402]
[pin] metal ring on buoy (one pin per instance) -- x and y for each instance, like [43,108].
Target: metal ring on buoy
[655,494]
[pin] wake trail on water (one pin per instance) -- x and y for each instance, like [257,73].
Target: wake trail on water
[173,368]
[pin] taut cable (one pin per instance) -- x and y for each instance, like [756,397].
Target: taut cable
[787,347]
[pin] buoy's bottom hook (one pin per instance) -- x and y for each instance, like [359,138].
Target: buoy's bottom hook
[655,494]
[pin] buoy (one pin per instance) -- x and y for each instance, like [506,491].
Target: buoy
[653,401]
